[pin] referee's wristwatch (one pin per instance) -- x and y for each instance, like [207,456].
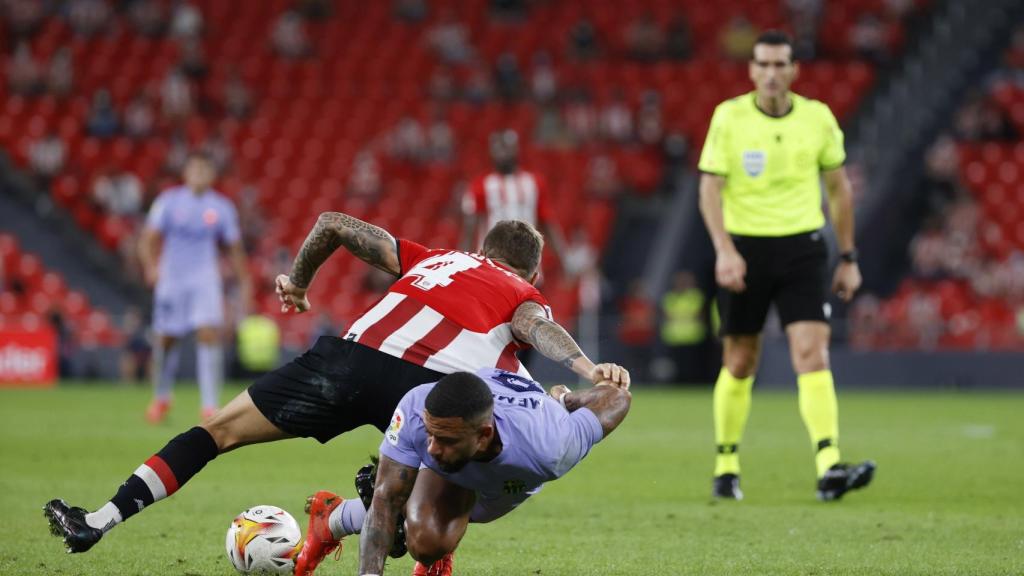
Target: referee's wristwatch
[848,257]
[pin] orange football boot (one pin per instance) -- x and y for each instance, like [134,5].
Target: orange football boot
[442,567]
[319,540]
[157,410]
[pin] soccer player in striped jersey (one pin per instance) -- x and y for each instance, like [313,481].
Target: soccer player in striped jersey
[448,311]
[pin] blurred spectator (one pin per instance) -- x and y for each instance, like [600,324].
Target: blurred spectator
[637,324]
[88,17]
[237,97]
[314,10]
[65,342]
[176,96]
[678,39]
[23,76]
[218,150]
[364,179]
[684,330]
[868,39]
[508,10]
[22,17]
[177,154]
[981,119]
[289,36]
[407,141]
[135,353]
[449,38]
[46,157]
[60,76]
[479,88]
[118,192]
[102,121]
[737,39]
[441,85]
[580,254]
[644,39]
[648,119]
[581,117]
[440,138]
[508,81]
[193,60]
[804,16]
[583,43]
[550,131]
[139,117]
[259,345]
[926,254]
[866,323]
[186,20]
[617,119]
[250,216]
[543,81]
[410,10]
[602,180]
[147,16]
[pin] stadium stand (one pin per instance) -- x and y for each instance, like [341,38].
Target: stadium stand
[315,112]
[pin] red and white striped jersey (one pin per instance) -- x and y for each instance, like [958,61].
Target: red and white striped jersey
[518,196]
[449,311]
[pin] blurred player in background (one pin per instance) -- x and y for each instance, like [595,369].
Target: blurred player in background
[180,258]
[469,448]
[760,196]
[448,311]
[508,193]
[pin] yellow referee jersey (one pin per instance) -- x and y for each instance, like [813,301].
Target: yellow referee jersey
[772,165]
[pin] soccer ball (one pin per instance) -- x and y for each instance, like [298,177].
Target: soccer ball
[263,540]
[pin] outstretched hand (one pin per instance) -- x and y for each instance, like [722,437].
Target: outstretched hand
[291,296]
[612,374]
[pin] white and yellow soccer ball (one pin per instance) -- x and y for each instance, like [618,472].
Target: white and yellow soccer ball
[263,540]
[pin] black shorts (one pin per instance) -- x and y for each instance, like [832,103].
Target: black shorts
[791,271]
[336,386]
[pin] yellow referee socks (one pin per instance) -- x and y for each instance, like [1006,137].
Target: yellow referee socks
[731,407]
[820,412]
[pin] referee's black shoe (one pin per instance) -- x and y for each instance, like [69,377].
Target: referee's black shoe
[69,523]
[366,480]
[841,478]
[726,486]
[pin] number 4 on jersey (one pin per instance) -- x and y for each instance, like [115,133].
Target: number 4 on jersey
[438,270]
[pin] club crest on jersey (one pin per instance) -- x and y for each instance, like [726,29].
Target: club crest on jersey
[210,216]
[514,487]
[753,162]
[397,421]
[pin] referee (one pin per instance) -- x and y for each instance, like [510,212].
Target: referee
[760,196]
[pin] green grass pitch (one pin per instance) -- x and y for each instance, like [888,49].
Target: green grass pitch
[948,497]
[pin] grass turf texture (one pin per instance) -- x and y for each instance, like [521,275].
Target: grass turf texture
[946,500]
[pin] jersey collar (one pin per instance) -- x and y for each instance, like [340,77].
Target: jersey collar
[792,106]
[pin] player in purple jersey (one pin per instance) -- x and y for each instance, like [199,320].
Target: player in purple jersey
[469,448]
[179,251]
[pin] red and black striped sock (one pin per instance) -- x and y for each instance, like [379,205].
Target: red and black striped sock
[165,471]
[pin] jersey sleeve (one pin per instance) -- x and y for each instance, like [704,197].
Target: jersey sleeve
[157,217]
[714,157]
[230,233]
[409,254]
[473,202]
[833,154]
[399,439]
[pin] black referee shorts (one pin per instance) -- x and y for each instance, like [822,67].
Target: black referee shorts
[791,271]
[336,386]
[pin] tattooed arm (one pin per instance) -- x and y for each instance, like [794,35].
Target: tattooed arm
[367,242]
[393,486]
[530,324]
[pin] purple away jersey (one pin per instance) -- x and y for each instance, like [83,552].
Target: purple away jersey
[541,441]
[189,293]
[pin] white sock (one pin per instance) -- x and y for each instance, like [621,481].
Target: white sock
[347,518]
[105,518]
[210,369]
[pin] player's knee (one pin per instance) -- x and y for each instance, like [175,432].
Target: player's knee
[741,364]
[810,357]
[426,546]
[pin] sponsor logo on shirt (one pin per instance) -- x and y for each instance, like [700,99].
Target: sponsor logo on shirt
[209,216]
[753,162]
[397,421]
[513,487]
